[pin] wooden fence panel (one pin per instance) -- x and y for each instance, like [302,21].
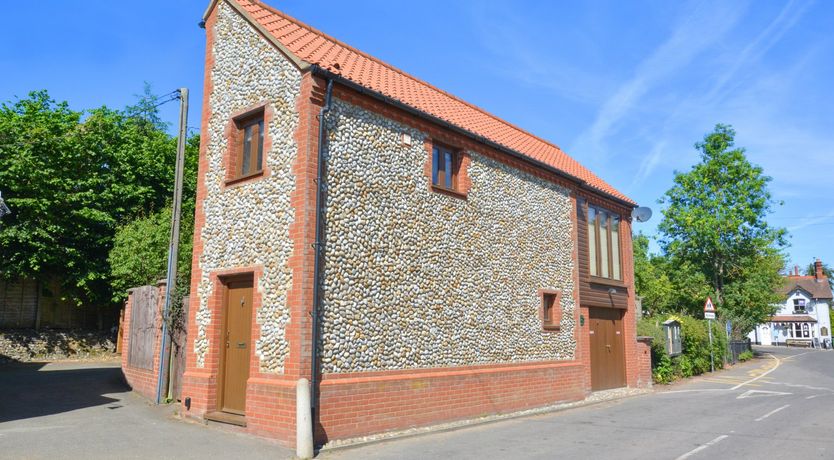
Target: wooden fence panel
[18,303]
[142,327]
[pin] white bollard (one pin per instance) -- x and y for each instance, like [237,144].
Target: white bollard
[303,421]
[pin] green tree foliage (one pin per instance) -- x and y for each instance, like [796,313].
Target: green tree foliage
[71,178]
[666,287]
[140,252]
[651,278]
[695,354]
[714,227]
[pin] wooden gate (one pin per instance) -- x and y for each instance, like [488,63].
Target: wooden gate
[142,327]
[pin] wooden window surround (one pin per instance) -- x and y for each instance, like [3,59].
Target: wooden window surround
[550,310]
[248,143]
[447,170]
[605,247]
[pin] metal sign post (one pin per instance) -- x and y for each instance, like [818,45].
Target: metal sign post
[709,314]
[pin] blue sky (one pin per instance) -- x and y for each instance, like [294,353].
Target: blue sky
[626,88]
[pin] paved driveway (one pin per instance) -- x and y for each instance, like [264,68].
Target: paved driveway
[85,411]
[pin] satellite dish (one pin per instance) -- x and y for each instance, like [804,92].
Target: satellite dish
[641,214]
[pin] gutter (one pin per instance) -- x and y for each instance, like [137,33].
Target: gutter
[330,76]
[318,247]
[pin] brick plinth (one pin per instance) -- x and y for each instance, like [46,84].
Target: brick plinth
[360,404]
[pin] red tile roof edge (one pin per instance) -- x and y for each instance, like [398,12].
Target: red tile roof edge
[399,71]
[600,186]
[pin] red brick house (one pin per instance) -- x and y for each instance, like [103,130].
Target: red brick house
[445,263]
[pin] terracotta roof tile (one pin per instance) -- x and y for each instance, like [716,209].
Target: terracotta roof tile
[318,48]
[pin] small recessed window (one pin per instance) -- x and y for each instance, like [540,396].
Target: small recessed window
[444,169]
[551,312]
[249,153]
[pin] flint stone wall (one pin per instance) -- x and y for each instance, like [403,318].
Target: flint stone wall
[248,225]
[417,279]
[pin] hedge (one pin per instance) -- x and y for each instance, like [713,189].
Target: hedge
[695,356]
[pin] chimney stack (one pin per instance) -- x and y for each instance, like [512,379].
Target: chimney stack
[796,270]
[818,270]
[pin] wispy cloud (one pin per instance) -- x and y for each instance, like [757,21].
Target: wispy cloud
[753,52]
[649,163]
[698,28]
[518,48]
[812,220]
[726,86]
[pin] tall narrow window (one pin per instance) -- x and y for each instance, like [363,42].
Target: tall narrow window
[444,168]
[251,135]
[604,254]
[592,238]
[615,248]
[551,310]
[604,244]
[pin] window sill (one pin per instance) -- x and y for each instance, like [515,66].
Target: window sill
[607,282]
[448,191]
[551,328]
[241,179]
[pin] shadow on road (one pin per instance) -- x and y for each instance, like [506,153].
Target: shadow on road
[34,389]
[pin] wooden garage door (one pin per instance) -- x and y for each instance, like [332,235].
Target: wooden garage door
[607,348]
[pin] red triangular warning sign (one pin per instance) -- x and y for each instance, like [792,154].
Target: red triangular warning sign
[709,306]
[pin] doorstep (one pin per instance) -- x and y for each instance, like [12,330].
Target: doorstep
[226,417]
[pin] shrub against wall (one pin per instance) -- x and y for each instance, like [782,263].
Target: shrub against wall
[695,356]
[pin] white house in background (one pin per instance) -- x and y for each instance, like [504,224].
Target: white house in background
[803,319]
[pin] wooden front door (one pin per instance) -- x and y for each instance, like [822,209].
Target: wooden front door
[236,351]
[607,348]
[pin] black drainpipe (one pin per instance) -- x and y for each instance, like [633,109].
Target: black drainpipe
[318,247]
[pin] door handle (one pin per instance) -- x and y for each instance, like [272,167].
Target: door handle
[241,344]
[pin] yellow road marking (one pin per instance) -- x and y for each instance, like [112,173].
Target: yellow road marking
[778,362]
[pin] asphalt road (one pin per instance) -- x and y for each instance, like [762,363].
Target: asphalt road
[781,406]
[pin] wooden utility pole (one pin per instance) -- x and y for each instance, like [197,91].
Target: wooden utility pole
[173,245]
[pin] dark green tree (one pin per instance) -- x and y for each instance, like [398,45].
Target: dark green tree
[71,179]
[651,279]
[715,222]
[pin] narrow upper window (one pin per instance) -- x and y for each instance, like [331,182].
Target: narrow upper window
[551,311]
[444,170]
[604,244]
[250,150]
